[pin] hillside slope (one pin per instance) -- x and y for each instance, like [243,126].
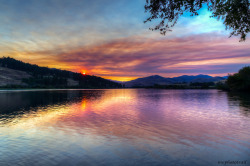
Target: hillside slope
[15,72]
[12,77]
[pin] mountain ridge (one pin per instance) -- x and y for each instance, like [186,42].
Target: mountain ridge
[159,80]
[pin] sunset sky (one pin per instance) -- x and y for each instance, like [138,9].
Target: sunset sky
[108,38]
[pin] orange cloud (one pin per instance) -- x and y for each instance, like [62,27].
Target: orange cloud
[136,56]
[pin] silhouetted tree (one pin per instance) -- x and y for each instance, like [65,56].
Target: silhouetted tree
[240,81]
[235,14]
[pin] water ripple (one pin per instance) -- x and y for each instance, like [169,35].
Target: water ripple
[123,127]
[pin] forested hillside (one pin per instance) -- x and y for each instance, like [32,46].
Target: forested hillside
[44,77]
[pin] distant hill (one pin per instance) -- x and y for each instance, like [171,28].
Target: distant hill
[15,73]
[188,78]
[159,80]
[149,81]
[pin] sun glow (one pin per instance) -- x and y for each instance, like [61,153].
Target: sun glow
[119,78]
[83,72]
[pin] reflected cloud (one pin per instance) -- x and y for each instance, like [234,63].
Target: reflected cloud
[241,100]
[167,115]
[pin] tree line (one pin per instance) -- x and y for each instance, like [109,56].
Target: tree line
[237,82]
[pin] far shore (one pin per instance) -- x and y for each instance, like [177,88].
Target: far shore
[57,89]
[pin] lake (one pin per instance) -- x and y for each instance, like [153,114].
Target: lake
[124,127]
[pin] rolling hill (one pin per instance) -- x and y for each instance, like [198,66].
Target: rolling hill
[17,74]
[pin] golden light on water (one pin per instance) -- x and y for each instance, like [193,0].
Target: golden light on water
[122,121]
[84,104]
[52,113]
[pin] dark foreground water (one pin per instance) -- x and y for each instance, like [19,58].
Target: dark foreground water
[124,127]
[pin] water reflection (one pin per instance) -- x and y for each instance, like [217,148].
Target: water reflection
[240,100]
[123,127]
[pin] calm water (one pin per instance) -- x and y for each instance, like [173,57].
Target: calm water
[123,127]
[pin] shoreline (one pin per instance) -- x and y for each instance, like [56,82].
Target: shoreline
[62,89]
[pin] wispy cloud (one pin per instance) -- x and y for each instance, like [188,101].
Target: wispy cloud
[138,56]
